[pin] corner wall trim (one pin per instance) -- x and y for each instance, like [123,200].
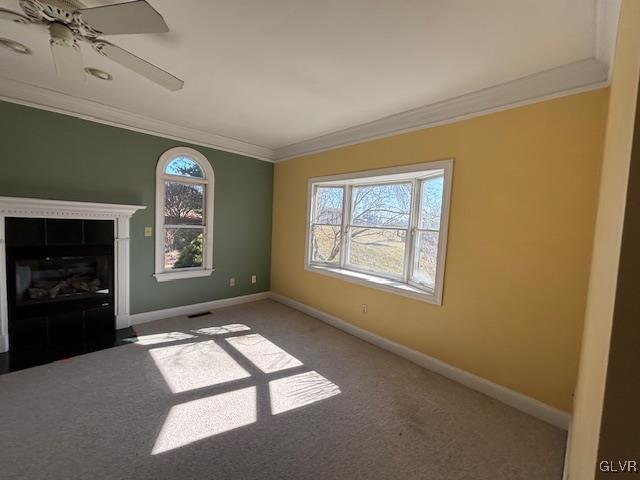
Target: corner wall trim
[145,317]
[505,395]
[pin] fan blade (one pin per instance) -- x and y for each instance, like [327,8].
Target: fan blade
[68,61]
[138,65]
[130,17]
[13,16]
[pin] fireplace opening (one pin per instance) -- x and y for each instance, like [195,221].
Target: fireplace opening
[49,279]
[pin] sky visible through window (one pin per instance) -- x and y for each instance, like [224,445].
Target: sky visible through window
[432,203]
[184,166]
[382,205]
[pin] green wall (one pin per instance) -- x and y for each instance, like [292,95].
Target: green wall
[54,156]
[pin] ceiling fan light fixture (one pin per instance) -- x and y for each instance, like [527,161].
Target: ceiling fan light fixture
[14,46]
[61,34]
[70,22]
[101,74]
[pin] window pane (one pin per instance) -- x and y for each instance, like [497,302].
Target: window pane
[183,247]
[329,205]
[431,203]
[325,244]
[183,204]
[382,205]
[184,166]
[378,250]
[426,258]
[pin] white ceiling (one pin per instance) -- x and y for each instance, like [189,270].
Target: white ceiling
[275,74]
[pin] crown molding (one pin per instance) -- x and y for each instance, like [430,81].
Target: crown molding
[589,74]
[569,79]
[54,101]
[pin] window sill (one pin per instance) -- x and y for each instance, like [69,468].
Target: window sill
[376,282]
[169,276]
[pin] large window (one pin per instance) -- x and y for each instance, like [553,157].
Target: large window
[384,228]
[184,215]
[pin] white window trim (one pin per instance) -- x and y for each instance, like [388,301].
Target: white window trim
[207,269]
[403,287]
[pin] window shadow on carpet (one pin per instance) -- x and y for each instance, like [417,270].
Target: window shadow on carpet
[237,379]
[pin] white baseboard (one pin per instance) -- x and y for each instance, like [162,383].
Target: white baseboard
[505,395]
[145,317]
[4,343]
[514,399]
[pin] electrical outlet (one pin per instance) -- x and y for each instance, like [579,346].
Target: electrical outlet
[364,308]
[232,282]
[254,279]
[148,231]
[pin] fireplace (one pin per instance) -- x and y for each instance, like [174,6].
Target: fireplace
[60,284]
[64,277]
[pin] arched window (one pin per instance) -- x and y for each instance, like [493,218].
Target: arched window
[184,215]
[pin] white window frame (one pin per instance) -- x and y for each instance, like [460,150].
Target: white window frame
[404,285]
[167,157]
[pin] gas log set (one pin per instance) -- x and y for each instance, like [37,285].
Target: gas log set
[76,285]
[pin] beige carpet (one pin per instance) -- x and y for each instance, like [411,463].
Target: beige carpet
[259,391]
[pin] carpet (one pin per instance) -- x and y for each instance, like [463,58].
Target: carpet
[260,391]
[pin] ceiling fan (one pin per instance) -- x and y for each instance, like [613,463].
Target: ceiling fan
[70,22]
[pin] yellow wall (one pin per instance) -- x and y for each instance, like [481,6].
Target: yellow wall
[522,217]
[606,251]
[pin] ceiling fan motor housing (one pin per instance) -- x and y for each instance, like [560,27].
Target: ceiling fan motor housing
[50,10]
[61,11]
[61,35]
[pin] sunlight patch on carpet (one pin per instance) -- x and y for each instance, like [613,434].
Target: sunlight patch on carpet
[299,390]
[232,328]
[196,365]
[265,355]
[159,338]
[206,417]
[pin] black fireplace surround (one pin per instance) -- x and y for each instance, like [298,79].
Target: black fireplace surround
[60,288]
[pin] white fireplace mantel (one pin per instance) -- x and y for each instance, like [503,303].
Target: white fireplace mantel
[40,208]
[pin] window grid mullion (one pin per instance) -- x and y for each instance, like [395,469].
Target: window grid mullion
[326,224]
[410,245]
[183,225]
[312,216]
[345,243]
[185,179]
[377,227]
